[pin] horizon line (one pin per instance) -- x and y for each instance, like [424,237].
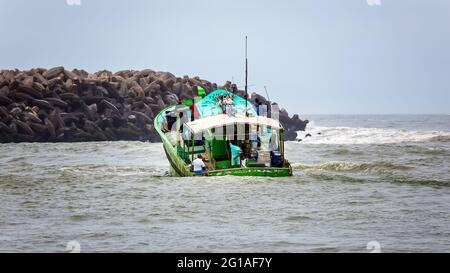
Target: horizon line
[375,114]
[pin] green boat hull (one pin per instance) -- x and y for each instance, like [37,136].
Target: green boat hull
[270,172]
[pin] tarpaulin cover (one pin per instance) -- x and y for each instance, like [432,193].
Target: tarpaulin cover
[210,105]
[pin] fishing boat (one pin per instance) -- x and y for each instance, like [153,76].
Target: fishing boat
[231,136]
[237,142]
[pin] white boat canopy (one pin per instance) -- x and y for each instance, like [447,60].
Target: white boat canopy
[205,123]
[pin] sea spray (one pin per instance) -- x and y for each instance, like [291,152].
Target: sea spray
[350,166]
[359,135]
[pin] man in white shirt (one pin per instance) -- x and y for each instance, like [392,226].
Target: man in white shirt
[198,165]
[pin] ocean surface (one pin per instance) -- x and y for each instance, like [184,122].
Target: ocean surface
[358,180]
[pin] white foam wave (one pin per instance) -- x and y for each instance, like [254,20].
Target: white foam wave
[360,135]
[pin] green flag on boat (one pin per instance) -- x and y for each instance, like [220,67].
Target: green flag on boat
[200,91]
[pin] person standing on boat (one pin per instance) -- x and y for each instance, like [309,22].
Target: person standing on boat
[257,105]
[194,111]
[179,110]
[231,109]
[222,102]
[234,88]
[201,93]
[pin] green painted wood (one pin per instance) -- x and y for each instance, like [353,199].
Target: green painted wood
[270,172]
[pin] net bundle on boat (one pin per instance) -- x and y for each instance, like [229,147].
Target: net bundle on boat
[213,104]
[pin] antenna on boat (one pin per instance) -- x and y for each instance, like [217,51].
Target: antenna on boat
[267,93]
[246,78]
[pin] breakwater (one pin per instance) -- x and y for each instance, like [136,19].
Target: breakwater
[59,105]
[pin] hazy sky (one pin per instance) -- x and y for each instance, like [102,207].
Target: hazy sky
[315,56]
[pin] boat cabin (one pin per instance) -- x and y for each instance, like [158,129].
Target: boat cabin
[230,142]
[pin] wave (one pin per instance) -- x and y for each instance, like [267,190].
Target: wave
[107,171]
[361,135]
[363,172]
[342,151]
[340,166]
[350,172]
[441,138]
[422,182]
[336,177]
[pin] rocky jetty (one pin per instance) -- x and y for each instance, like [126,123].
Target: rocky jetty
[57,105]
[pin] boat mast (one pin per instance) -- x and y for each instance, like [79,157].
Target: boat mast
[246,77]
[247,148]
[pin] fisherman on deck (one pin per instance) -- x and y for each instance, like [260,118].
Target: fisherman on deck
[231,108]
[257,105]
[198,165]
[201,93]
[234,88]
[179,111]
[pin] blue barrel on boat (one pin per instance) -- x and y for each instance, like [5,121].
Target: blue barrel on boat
[275,159]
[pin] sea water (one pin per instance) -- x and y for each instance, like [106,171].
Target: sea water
[358,181]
